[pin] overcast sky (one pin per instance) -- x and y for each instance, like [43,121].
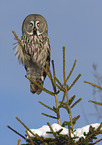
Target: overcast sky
[77,24]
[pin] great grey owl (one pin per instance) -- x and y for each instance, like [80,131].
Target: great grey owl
[36,49]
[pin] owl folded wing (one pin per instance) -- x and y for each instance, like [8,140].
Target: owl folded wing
[20,54]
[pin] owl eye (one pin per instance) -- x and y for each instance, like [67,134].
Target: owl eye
[31,24]
[38,24]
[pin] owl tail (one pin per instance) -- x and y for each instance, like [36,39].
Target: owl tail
[36,74]
[36,89]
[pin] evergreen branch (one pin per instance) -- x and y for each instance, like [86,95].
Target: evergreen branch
[59,131]
[50,76]
[65,123]
[93,85]
[91,132]
[57,110]
[30,138]
[76,102]
[58,91]
[70,75]
[62,102]
[58,82]
[27,128]
[60,88]
[52,143]
[71,99]
[98,103]
[75,119]
[69,109]
[32,143]
[49,116]
[64,63]
[19,41]
[56,99]
[53,71]
[47,91]
[51,129]
[19,140]
[54,108]
[54,88]
[47,72]
[97,141]
[47,106]
[63,97]
[65,107]
[35,135]
[66,91]
[71,70]
[54,75]
[74,81]
[100,127]
[69,131]
[16,132]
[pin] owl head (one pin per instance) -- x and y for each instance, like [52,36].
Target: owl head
[34,24]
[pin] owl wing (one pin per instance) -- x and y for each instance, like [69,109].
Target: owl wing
[20,54]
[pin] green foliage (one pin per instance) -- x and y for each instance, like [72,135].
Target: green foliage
[66,103]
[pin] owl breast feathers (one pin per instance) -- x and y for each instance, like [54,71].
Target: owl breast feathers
[35,49]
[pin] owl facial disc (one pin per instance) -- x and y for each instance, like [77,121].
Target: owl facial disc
[34,24]
[35,28]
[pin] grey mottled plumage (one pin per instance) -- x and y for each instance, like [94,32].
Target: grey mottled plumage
[36,49]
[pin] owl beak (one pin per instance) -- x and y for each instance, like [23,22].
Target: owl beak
[35,31]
